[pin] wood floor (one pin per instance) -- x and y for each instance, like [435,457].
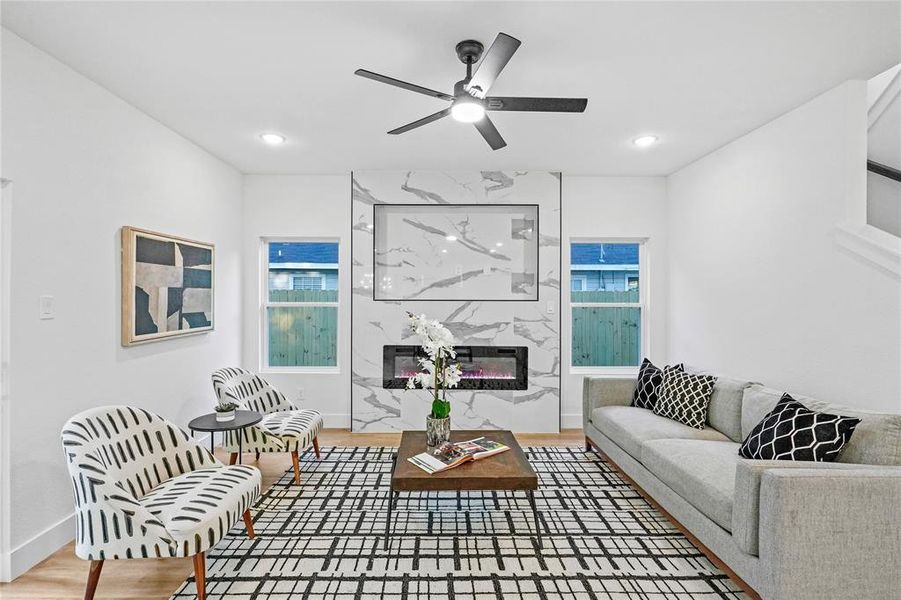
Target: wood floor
[62,576]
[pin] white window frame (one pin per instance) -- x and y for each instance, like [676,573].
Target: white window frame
[643,305]
[265,305]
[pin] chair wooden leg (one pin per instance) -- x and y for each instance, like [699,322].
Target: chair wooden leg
[316,448]
[295,458]
[248,524]
[93,578]
[233,459]
[258,455]
[200,575]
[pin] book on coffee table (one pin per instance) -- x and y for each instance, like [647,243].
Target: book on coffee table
[450,455]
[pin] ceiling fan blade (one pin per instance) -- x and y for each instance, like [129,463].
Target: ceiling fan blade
[494,61]
[402,84]
[537,104]
[490,133]
[423,121]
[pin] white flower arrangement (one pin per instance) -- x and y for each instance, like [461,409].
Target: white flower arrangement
[438,373]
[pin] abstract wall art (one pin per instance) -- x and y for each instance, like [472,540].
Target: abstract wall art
[167,286]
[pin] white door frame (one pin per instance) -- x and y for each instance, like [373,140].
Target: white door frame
[5,244]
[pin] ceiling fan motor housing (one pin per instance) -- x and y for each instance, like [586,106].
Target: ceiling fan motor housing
[469,51]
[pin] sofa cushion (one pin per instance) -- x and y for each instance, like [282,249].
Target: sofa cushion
[685,397]
[794,432]
[724,413]
[650,376]
[629,427]
[702,472]
[876,440]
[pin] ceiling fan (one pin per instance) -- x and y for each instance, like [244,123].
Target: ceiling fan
[470,100]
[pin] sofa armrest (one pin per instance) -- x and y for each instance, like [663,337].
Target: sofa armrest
[605,391]
[746,503]
[831,533]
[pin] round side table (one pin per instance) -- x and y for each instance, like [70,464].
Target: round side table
[243,418]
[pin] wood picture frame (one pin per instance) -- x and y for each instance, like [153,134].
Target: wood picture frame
[168,286]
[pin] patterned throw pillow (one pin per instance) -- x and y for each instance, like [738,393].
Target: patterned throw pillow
[685,397]
[794,432]
[649,379]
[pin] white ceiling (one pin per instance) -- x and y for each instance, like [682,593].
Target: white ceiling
[696,74]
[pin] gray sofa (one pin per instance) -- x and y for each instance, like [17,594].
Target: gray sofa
[789,530]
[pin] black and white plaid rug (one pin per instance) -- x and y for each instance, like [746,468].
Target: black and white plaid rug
[325,539]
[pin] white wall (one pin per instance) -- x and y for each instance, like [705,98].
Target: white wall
[615,207]
[759,288]
[291,206]
[84,163]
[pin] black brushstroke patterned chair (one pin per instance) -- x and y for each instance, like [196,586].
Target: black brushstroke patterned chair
[284,428]
[145,489]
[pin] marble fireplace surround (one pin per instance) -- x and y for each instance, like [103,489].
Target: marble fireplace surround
[530,323]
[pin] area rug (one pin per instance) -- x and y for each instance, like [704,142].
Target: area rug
[324,539]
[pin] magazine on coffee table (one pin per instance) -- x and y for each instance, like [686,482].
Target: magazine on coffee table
[450,455]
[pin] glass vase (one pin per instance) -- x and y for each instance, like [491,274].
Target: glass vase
[437,431]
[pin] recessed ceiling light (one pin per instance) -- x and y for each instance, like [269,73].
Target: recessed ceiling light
[451,238]
[498,244]
[444,251]
[645,141]
[273,139]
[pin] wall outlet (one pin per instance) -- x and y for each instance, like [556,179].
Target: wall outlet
[550,307]
[300,394]
[47,307]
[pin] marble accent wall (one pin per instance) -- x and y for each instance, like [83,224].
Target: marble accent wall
[535,324]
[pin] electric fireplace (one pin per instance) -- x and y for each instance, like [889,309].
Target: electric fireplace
[482,367]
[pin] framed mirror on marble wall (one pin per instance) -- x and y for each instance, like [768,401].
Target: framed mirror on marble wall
[455,252]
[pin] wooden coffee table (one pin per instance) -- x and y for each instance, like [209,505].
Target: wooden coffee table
[507,471]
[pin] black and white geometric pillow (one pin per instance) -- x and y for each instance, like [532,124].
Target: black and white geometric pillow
[685,397]
[649,379]
[794,432]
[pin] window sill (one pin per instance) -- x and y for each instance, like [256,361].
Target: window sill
[301,370]
[605,371]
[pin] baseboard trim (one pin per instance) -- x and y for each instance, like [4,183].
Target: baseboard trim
[26,555]
[590,445]
[571,421]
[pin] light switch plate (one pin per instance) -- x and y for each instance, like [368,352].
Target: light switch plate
[47,307]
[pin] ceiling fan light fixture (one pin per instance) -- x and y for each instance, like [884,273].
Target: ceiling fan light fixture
[467,109]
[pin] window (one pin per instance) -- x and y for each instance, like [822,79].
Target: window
[309,283]
[608,304]
[579,283]
[300,305]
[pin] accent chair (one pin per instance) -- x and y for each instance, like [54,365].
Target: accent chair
[284,428]
[145,489]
